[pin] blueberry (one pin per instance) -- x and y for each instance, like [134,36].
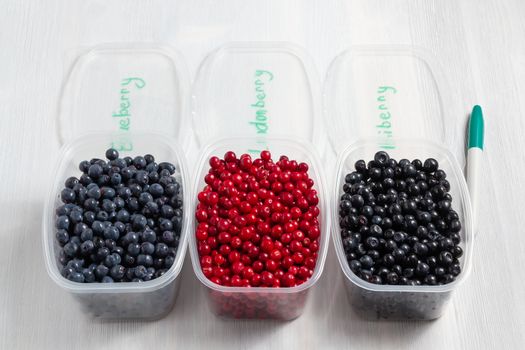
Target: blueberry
[84,166]
[112,154]
[101,271]
[89,217]
[95,171]
[381,158]
[420,249]
[156,190]
[409,170]
[167,166]
[68,195]
[158,263]
[166,211]
[153,176]
[91,204]
[132,205]
[111,233]
[422,269]
[392,278]
[107,279]
[140,271]
[107,192]
[161,250]
[439,271]
[149,158]
[127,173]
[108,205]
[139,222]
[128,260]
[120,226]
[130,237]
[166,225]
[133,249]
[372,242]
[71,182]
[151,208]
[94,192]
[430,165]
[85,179]
[123,216]
[70,249]
[169,261]
[62,222]
[115,179]
[445,258]
[62,236]
[124,193]
[457,252]
[110,260]
[89,276]
[454,269]
[110,244]
[440,174]
[430,280]
[444,206]
[139,162]
[408,272]
[75,216]
[87,247]
[76,277]
[117,272]
[76,264]
[366,261]
[147,248]
[145,260]
[446,243]
[102,253]
[97,227]
[144,198]
[160,273]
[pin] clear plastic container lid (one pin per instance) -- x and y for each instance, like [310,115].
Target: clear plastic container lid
[386,94]
[259,90]
[126,89]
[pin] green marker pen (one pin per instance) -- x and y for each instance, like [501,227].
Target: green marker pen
[474,154]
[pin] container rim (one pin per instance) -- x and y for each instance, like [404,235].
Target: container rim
[297,51]
[48,238]
[467,224]
[325,224]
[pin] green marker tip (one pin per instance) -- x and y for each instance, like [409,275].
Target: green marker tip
[476,128]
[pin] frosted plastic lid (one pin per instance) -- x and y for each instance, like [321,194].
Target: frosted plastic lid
[256,90]
[125,89]
[385,94]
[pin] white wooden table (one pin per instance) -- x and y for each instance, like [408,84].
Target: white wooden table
[480,45]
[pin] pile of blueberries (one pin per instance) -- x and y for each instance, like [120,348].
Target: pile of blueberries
[120,221]
[397,222]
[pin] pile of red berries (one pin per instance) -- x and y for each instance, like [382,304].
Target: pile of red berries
[257,222]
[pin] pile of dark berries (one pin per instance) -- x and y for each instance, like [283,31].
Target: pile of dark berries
[397,222]
[120,221]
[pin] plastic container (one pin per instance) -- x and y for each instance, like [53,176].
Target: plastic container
[389,99]
[130,98]
[227,107]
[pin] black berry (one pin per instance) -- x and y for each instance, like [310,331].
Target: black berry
[398,224]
